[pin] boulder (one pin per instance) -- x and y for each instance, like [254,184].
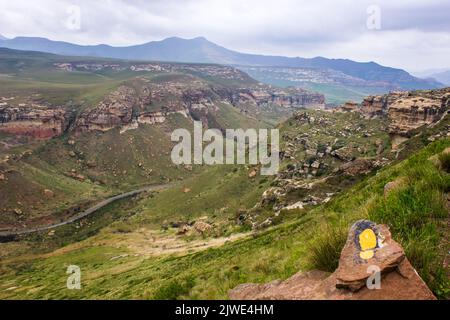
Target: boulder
[393,185]
[369,252]
[367,244]
[356,167]
[202,227]
[49,193]
[297,205]
[253,173]
[183,229]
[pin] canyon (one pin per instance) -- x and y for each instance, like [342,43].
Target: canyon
[144,102]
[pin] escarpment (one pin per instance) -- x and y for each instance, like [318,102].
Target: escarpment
[152,103]
[408,111]
[192,91]
[37,121]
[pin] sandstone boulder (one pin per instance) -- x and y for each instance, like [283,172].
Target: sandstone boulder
[393,185]
[49,193]
[356,167]
[369,253]
[367,244]
[202,227]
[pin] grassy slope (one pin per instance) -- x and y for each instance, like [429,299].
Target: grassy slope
[417,214]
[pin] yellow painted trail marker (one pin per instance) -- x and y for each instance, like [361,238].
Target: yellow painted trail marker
[367,242]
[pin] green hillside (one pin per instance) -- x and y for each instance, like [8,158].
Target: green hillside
[419,225]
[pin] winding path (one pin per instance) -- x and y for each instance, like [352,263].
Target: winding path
[85,213]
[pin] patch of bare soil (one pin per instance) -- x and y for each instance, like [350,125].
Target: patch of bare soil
[155,243]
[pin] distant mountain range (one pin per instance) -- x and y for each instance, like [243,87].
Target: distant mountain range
[200,50]
[442,75]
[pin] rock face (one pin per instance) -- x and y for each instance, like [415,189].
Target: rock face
[115,110]
[293,98]
[33,120]
[369,254]
[408,110]
[146,101]
[151,103]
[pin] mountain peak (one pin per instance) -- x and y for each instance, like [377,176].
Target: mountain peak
[196,39]
[201,39]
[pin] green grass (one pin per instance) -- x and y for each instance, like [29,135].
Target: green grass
[417,215]
[217,192]
[274,254]
[325,249]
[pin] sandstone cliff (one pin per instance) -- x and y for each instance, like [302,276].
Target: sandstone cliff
[145,102]
[33,120]
[408,110]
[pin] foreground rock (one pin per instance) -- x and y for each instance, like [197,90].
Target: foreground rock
[368,252]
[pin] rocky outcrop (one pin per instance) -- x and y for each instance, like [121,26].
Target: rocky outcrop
[372,267]
[349,106]
[289,98]
[33,120]
[357,167]
[151,103]
[114,111]
[407,111]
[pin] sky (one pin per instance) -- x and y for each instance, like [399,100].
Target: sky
[409,34]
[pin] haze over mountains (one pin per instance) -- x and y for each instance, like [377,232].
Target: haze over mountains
[200,50]
[442,76]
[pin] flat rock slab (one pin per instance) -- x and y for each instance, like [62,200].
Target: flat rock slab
[368,245]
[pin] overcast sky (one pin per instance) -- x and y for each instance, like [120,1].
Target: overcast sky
[411,34]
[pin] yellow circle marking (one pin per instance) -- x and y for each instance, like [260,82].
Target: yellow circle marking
[367,242]
[366,255]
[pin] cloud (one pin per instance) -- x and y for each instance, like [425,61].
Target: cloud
[414,33]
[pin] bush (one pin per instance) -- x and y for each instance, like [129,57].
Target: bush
[122,227]
[174,289]
[325,250]
[444,159]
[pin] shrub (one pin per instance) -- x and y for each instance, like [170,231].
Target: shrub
[174,289]
[325,249]
[122,227]
[444,159]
